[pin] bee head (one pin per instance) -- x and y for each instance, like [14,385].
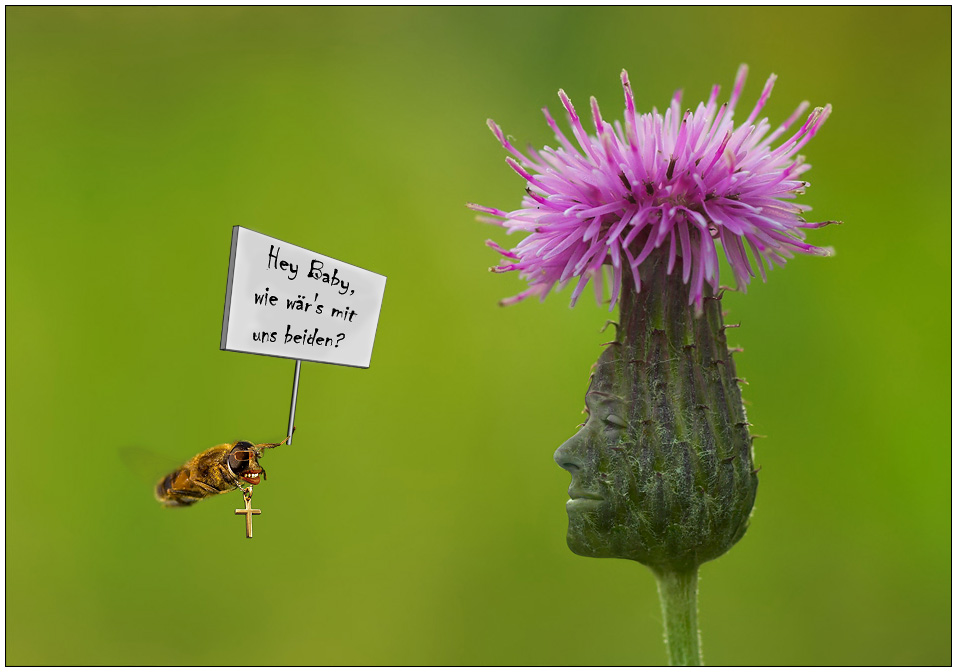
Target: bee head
[243,461]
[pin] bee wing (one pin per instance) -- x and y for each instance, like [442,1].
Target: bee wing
[147,465]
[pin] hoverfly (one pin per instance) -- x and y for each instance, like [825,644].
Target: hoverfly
[222,468]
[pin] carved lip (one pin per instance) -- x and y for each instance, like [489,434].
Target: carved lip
[581,500]
[579,494]
[583,504]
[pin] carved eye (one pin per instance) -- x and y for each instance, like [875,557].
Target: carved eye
[616,421]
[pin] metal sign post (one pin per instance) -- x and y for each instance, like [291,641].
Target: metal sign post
[292,403]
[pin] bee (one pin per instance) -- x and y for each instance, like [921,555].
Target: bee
[222,468]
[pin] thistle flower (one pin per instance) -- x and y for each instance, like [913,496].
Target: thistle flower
[682,182]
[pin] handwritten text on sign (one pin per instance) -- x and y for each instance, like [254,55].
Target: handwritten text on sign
[285,301]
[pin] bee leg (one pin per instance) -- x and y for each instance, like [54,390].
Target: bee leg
[208,488]
[263,446]
[185,498]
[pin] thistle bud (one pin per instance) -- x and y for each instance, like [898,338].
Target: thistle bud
[662,471]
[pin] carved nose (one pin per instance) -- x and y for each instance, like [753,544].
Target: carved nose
[567,461]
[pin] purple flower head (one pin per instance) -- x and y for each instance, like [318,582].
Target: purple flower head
[684,181]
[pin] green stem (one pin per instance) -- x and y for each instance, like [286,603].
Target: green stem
[679,605]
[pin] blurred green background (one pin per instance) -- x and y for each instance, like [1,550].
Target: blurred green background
[418,518]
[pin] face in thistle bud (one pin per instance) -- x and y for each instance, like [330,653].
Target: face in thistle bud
[602,518]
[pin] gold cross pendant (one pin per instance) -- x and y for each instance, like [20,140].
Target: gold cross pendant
[248,512]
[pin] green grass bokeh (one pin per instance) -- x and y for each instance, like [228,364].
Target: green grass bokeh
[418,518]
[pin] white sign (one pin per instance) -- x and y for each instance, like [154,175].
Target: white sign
[285,301]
